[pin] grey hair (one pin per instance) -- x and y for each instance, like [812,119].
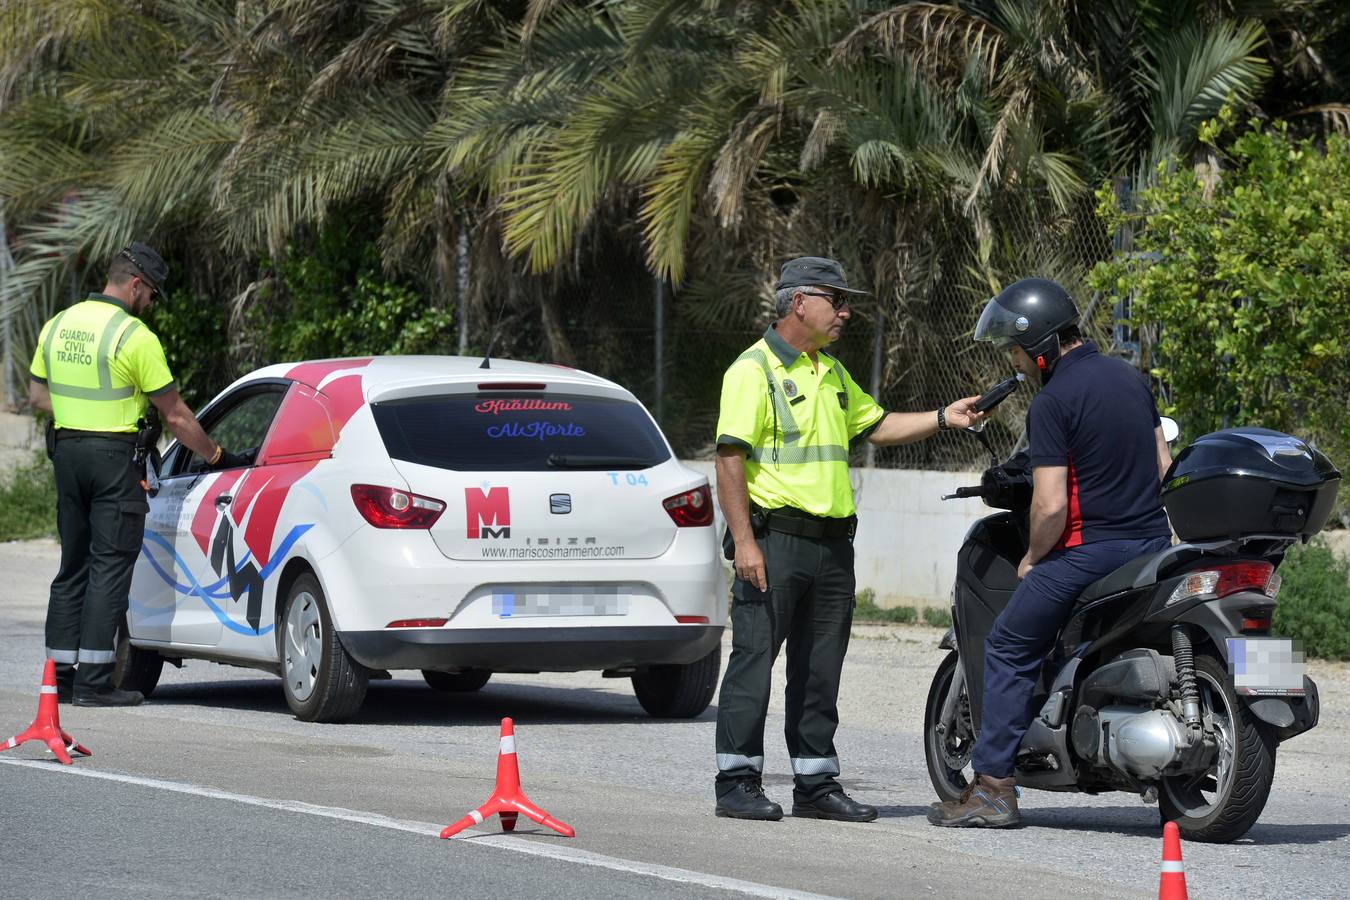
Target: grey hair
[782,300]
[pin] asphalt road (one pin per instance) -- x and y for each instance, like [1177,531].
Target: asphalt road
[214,789]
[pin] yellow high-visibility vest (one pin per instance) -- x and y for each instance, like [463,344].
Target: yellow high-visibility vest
[796,423]
[99,363]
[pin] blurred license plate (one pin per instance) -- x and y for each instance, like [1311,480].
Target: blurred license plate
[1271,666]
[560,600]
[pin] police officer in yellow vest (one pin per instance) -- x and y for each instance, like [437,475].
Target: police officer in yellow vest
[789,415]
[93,368]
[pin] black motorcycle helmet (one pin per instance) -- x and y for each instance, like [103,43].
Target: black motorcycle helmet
[1029,313]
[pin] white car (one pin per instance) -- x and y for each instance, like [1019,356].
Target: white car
[428,513]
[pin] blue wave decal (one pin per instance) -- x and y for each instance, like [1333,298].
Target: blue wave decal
[218,590]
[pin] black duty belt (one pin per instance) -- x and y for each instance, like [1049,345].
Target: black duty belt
[793,521]
[126,437]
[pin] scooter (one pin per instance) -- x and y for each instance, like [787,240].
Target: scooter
[1165,680]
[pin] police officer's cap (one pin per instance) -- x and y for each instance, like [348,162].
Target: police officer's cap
[814,271]
[151,265]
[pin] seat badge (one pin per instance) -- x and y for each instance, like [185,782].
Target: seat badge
[789,388]
[559,504]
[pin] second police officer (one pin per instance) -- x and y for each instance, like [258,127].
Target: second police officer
[789,415]
[94,366]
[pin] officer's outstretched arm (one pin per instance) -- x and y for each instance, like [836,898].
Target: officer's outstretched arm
[184,424]
[905,428]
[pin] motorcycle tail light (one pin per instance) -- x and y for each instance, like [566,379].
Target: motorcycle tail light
[1226,579]
[692,508]
[386,507]
[1256,621]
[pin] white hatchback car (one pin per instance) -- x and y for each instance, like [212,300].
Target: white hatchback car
[427,513]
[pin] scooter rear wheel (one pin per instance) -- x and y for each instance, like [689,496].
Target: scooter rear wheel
[1220,805]
[947,748]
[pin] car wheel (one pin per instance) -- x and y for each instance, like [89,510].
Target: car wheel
[678,692]
[136,669]
[456,682]
[322,683]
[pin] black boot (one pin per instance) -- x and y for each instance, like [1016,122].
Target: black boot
[836,806]
[746,800]
[109,697]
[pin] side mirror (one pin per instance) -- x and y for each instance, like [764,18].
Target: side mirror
[1170,429]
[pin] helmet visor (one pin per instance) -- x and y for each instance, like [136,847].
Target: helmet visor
[999,325]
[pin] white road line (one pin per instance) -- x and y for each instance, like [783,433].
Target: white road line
[479,838]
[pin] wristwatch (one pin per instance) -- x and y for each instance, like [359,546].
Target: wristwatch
[942,419]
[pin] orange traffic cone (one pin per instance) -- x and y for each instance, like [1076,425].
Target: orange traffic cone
[1173,883]
[507,799]
[47,726]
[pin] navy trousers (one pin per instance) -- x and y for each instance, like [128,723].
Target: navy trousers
[1022,636]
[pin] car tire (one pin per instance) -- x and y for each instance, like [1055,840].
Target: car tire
[136,669]
[678,691]
[456,682]
[321,681]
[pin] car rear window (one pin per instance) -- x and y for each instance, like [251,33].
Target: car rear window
[496,431]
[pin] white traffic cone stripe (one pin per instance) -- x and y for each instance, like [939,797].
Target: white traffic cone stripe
[1172,865]
[47,689]
[476,816]
[508,743]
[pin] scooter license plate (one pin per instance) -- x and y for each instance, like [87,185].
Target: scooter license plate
[1266,666]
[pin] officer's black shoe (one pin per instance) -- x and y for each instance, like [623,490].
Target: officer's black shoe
[747,801]
[110,697]
[836,805]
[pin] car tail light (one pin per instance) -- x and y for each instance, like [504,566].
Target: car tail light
[1226,579]
[512,386]
[692,508]
[386,507]
[416,623]
[692,620]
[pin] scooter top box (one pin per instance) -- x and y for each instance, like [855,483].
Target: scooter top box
[1244,481]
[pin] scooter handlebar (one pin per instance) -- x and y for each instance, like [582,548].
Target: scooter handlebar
[964,492]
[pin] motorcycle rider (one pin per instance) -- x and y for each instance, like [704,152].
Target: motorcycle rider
[1097,454]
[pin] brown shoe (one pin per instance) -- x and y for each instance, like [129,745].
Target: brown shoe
[985,803]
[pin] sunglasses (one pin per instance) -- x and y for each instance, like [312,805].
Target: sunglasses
[837,300]
[126,254]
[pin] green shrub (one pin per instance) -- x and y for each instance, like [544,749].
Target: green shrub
[28,502]
[1315,601]
[867,611]
[937,617]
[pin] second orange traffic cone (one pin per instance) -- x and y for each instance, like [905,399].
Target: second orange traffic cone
[47,726]
[1172,885]
[507,799]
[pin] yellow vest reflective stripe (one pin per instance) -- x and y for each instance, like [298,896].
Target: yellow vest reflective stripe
[87,394]
[120,326]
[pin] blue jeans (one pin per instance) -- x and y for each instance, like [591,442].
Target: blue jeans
[1022,636]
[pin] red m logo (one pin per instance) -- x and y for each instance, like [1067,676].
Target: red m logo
[491,508]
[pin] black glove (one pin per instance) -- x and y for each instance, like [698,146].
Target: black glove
[229,460]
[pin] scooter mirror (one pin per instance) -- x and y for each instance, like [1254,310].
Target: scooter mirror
[1170,429]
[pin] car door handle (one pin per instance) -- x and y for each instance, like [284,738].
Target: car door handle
[223,501]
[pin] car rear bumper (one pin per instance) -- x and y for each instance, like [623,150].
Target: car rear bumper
[531,649]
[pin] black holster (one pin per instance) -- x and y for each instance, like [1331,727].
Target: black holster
[49,434]
[148,431]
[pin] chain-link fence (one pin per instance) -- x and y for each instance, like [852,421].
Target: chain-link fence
[911,348]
